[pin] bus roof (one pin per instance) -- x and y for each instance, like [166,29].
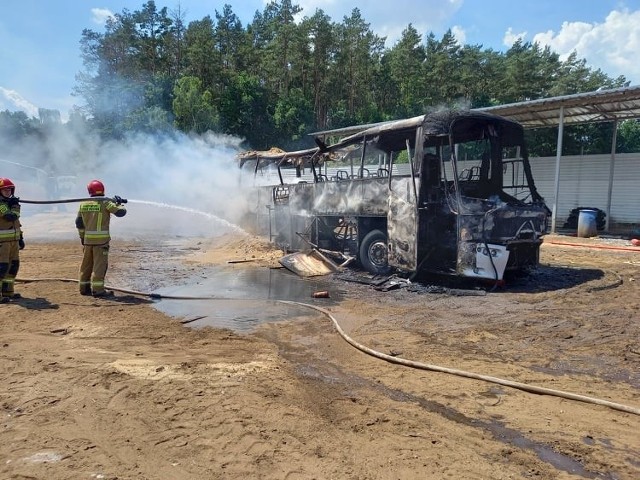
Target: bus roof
[462,125]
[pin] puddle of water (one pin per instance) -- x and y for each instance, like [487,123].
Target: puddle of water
[597,367]
[245,298]
[507,435]
[546,453]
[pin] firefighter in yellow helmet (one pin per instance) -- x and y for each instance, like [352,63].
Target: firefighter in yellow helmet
[92,223]
[11,240]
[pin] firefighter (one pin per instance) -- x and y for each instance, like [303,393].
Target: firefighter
[92,223]
[11,239]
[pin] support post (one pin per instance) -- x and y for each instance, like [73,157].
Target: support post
[612,162]
[554,211]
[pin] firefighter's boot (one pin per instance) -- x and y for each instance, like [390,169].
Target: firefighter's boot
[7,290]
[104,294]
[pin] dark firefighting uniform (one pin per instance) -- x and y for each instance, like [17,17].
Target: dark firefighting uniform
[92,223]
[10,236]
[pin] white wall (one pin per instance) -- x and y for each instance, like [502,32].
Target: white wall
[584,182]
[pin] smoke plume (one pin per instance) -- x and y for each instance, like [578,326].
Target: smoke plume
[176,184]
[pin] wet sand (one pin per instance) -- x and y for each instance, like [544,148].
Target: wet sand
[116,389]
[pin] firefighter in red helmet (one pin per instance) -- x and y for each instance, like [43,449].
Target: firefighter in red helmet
[92,223]
[11,240]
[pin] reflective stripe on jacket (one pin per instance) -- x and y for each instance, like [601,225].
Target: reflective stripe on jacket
[93,221]
[9,229]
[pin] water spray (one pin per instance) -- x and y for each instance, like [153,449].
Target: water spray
[210,216]
[119,200]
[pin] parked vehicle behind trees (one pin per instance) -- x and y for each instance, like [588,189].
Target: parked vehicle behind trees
[449,192]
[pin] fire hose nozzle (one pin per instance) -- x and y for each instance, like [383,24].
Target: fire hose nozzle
[119,200]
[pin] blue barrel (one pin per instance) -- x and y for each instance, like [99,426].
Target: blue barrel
[587,226]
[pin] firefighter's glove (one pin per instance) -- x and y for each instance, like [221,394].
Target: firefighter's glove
[21,243]
[13,202]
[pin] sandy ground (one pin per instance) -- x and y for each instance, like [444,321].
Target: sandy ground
[114,389]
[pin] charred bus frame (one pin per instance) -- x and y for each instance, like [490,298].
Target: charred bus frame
[449,192]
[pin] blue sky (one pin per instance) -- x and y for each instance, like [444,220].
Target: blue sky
[40,55]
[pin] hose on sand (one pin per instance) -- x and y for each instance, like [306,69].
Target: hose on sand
[388,358]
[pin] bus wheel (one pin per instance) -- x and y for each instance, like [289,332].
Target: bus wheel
[373,253]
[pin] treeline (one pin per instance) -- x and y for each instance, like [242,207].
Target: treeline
[274,81]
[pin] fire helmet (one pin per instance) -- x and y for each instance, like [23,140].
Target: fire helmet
[95,188]
[6,183]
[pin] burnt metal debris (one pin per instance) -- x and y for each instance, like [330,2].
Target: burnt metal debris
[449,193]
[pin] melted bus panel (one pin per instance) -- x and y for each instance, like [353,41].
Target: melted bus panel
[449,192]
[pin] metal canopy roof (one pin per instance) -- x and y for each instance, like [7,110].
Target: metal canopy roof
[600,106]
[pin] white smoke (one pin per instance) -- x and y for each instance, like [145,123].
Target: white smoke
[197,174]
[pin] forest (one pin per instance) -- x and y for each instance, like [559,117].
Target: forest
[275,80]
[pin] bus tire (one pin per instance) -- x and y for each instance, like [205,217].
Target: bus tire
[373,253]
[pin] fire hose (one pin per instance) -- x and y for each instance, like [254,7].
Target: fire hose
[389,358]
[115,199]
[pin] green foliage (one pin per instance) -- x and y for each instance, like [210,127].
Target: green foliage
[406,72]
[628,138]
[192,106]
[529,72]
[402,157]
[293,116]
[280,77]
[128,71]
[541,142]
[244,111]
[148,119]
[358,50]
[17,125]
[584,139]
[200,53]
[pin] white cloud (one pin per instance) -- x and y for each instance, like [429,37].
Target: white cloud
[14,101]
[459,34]
[612,46]
[510,38]
[101,15]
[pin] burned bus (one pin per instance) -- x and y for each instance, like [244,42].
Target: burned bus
[449,192]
